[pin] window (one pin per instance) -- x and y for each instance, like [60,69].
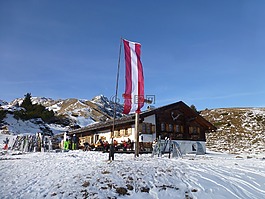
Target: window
[167,127]
[163,127]
[96,138]
[182,129]
[194,130]
[122,132]
[129,131]
[148,128]
[116,133]
[177,130]
[194,147]
[153,128]
[143,128]
[170,127]
[126,133]
[190,129]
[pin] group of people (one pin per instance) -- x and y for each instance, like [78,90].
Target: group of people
[105,145]
[71,143]
[124,145]
[102,145]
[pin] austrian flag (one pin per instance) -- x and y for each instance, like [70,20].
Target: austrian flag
[134,91]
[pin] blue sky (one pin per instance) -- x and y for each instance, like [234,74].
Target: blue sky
[203,52]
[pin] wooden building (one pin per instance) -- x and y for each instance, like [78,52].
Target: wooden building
[176,121]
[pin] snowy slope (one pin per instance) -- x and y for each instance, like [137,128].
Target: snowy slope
[28,127]
[79,174]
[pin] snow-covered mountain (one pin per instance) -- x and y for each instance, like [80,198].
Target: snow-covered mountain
[238,130]
[72,113]
[99,108]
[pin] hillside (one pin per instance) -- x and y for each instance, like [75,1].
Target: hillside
[238,130]
[70,113]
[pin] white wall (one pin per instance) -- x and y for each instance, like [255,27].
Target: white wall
[185,146]
[147,137]
[150,119]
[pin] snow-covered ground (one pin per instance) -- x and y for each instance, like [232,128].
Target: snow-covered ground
[78,174]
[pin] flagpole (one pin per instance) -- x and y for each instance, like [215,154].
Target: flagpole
[136,153]
[111,152]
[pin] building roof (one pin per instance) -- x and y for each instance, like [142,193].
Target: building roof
[130,119]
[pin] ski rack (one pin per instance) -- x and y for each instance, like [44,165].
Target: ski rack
[173,147]
[32,143]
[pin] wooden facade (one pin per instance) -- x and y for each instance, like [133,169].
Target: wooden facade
[176,121]
[179,122]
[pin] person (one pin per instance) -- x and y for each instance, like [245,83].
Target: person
[124,145]
[6,143]
[129,143]
[74,142]
[155,147]
[69,143]
[86,146]
[99,145]
[66,144]
[111,152]
[101,142]
[132,145]
[106,146]
[115,144]
[154,143]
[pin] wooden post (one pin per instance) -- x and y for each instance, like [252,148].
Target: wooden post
[136,154]
[111,151]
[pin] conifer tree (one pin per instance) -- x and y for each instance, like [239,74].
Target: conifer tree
[33,110]
[2,114]
[27,104]
[193,107]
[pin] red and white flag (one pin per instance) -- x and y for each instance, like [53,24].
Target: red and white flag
[134,91]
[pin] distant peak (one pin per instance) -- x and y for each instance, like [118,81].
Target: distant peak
[2,103]
[100,98]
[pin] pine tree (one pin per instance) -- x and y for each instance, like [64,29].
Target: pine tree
[194,109]
[27,104]
[2,114]
[31,111]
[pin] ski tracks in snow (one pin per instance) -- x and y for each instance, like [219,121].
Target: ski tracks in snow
[220,180]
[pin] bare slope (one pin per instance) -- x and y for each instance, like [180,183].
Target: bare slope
[238,129]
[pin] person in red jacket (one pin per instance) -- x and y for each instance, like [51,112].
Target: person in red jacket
[6,143]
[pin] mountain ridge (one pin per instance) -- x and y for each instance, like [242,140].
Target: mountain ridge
[71,113]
